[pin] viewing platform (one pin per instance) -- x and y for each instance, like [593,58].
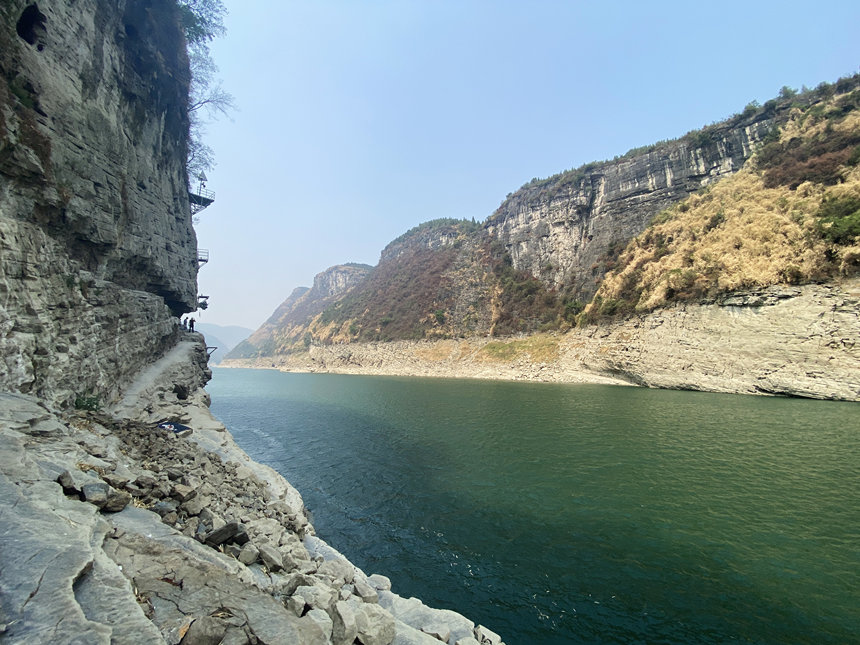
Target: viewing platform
[200,199]
[202,257]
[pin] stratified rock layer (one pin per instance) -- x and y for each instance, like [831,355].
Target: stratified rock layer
[561,228]
[97,250]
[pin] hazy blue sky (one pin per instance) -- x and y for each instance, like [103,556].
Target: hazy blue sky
[359,119]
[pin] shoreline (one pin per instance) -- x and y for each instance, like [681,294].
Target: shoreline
[790,341]
[121,532]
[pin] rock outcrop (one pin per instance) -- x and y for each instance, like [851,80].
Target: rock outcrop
[128,513]
[97,250]
[560,229]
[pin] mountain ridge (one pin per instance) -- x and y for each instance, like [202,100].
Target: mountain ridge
[546,259]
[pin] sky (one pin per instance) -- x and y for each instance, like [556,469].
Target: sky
[357,120]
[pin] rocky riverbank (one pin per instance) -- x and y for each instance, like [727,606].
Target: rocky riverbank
[118,531]
[793,341]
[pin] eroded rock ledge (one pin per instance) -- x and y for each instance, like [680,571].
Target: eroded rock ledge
[116,531]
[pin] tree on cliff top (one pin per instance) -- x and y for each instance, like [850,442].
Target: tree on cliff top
[202,21]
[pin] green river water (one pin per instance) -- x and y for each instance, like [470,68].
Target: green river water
[576,513]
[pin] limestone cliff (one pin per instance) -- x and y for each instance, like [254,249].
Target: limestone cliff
[98,250]
[561,228]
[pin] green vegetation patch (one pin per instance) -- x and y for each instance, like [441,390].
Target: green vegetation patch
[539,348]
[839,219]
[394,302]
[87,402]
[525,304]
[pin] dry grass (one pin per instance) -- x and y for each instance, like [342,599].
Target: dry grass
[540,348]
[439,351]
[736,234]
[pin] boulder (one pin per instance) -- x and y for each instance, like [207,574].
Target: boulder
[95,493]
[182,492]
[230,532]
[271,557]
[249,554]
[321,618]
[374,625]
[75,480]
[344,629]
[116,500]
[338,570]
[379,582]
[316,597]
[365,592]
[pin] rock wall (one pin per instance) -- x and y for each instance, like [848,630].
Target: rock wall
[97,251]
[561,229]
[794,341]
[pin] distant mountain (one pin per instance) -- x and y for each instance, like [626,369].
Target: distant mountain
[224,337]
[286,327]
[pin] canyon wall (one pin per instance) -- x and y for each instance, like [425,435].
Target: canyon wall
[97,251]
[562,228]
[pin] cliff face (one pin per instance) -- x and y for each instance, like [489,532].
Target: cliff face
[98,251]
[561,229]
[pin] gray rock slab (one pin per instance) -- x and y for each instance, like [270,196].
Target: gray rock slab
[418,615]
[180,577]
[249,554]
[407,635]
[322,619]
[365,592]
[106,597]
[271,557]
[227,533]
[344,627]
[439,632]
[95,493]
[44,548]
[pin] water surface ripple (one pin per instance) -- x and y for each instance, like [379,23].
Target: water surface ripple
[576,513]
